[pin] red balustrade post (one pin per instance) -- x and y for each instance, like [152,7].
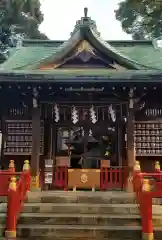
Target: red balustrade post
[137,167]
[103,174]
[136,176]
[10,232]
[66,179]
[157,170]
[146,211]
[26,169]
[11,166]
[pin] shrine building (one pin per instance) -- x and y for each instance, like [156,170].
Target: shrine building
[84,103]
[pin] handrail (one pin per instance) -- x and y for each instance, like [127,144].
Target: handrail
[145,190]
[17,192]
[149,191]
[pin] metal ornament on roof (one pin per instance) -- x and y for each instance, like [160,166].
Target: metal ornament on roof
[93,116]
[56,113]
[74,115]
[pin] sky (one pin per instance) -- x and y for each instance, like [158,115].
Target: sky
[60,18]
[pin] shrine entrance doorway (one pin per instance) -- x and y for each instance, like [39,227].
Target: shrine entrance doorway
[87,139]
[88,147]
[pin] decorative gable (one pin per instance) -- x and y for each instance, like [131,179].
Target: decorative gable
[84,55]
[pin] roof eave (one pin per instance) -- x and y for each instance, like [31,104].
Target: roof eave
[66,47]
[123,60]
[131,77]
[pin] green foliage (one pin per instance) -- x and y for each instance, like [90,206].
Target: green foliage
[141,18]
[18,19]
[25,15]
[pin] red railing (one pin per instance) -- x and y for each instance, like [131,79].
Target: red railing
[113,178]
[146,187]
[60,178]
[5,177]
[15,186]
[16,195]
[110,178]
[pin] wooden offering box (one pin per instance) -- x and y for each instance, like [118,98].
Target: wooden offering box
[84,178]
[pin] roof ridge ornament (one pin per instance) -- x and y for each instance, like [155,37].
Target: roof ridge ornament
[85,22]
[85,12]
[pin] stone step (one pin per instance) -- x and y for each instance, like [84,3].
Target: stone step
[107,197]
[71,219]
[77,232]
[135,235]
[75,219]
[82,208]
[58,232]
[70,215]
[87,208]
[81,219]
[82,197]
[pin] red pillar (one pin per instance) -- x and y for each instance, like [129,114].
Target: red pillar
[26,170]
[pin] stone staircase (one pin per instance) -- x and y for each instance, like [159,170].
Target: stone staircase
[79,215]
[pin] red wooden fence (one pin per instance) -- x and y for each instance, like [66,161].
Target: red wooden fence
[147,186]
[110,178]
[61,177]
[14,186]
[113,178]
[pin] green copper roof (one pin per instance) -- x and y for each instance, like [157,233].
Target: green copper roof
[135,55]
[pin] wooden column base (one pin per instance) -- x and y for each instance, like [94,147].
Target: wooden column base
[147,236]
[35,184]
[129,183]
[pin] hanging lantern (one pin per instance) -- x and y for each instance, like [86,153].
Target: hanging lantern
[93,115]
[56,113]
[74,115]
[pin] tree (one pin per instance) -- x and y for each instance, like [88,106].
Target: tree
[141,18]
[25,15]
[18,19]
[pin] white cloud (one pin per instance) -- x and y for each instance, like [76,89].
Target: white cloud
[61,16]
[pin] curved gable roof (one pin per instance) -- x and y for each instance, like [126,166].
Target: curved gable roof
[85,29]
[131,54]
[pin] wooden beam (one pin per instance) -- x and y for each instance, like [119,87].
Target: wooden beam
[36,128]
[130,131]
[130,140]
